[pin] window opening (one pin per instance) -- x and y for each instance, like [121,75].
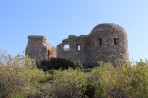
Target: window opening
[78,47]
[116,41]
[100,41]
[66,47]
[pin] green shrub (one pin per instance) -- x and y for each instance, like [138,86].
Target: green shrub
[139,80]
[56,63]
[16,95]
[19,60]
[15,79]
[20,78]
[103,80]
[133,80]
[18,74]
[69,84]
[90,91]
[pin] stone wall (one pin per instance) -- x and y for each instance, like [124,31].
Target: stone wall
[106,42]
[38,49]
[77,50]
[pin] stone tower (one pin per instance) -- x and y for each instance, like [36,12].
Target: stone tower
[38,49]
[106,42]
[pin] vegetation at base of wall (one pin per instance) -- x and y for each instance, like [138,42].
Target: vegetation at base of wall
[59,63]
[21,79]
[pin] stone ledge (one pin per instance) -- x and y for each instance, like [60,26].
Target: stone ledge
[35,36]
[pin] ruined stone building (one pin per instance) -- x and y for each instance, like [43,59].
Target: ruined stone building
[106,42]
[38,49]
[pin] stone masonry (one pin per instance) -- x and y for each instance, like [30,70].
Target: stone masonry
[38,49]
[106,42]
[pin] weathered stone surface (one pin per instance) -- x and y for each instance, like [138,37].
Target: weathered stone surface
[38,49]
[106,42]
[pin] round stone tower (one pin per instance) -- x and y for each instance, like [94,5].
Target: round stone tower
[108,43]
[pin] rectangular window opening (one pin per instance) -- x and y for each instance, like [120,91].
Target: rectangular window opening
[78,47]
[100,41]
[116,41]
[66,47]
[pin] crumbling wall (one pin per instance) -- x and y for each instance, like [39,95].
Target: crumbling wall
[106,42]
[74,48]
[38,49]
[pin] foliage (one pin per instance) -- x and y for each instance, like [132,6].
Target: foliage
[103,79]
[120,82]
[69,84]
[58,63]
[20,78]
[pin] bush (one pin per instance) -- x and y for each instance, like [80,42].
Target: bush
[14,79]
[57,63]
[18,76]
[135,80]
[69,84]
[119,82]
[103,79]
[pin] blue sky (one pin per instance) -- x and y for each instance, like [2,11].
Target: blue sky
[56,19]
